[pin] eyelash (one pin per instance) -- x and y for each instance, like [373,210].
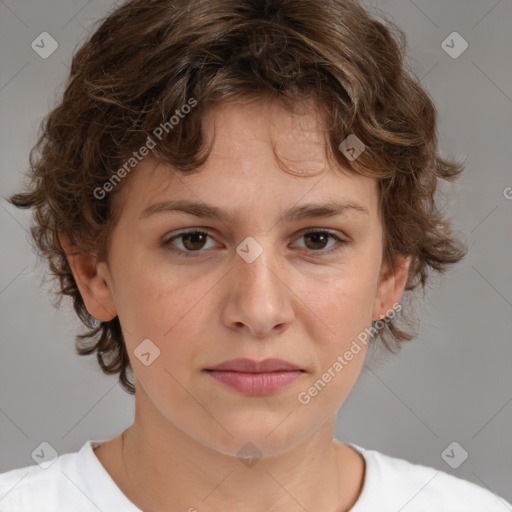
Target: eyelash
[320,252]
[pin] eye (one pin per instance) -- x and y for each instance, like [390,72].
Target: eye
[191,241]
[318,240]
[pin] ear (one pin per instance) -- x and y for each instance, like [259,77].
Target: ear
[391,286]
[92,279]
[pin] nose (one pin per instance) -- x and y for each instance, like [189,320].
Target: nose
[258,298]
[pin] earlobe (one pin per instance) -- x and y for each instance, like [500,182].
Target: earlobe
[92,280]
[391,286]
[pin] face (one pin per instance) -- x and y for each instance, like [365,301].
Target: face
[205,290]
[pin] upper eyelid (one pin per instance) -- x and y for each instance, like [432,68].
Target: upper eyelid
[209,231]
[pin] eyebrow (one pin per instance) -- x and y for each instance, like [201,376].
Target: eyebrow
[203,210]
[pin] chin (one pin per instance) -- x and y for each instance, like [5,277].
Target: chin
[255,441]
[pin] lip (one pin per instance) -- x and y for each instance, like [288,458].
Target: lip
[256,378]
[251,366]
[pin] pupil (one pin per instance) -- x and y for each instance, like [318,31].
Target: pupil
[315,237]
[193,237]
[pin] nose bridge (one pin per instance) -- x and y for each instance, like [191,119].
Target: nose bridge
[258,296]
[257,264]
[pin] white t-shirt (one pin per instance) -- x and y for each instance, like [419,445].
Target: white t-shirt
[78,482]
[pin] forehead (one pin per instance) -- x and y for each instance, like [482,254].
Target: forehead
[252,146]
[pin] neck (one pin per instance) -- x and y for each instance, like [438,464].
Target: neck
[168,470]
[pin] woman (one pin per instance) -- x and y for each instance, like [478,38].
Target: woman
[236,195]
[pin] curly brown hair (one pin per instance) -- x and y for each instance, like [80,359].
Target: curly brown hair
[148,58]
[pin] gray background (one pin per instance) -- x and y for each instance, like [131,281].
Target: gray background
[451,384]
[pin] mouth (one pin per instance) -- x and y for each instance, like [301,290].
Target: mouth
[255,378]
[252,366]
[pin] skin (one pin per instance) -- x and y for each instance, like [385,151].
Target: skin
[290,303]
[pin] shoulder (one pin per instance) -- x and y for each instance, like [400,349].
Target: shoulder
[33,487]
[57,485]
[394,484]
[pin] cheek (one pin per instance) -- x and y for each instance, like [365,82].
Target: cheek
[339,315]
[343,305]
[172,315]
[169,310]
[156,301]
